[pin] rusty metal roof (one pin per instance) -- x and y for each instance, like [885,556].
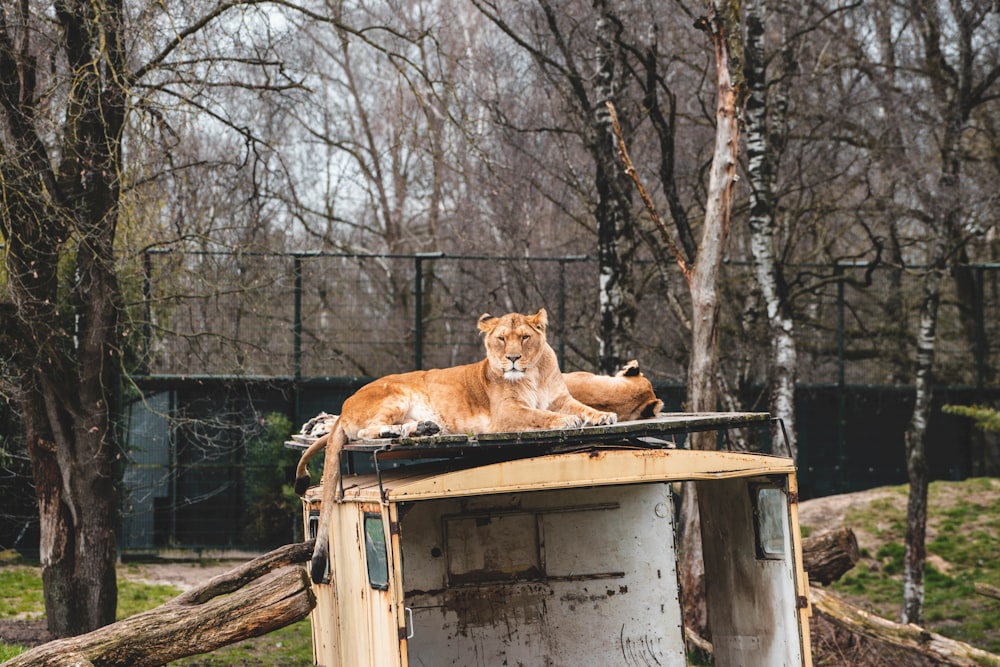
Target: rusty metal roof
[629,452]
[646,432]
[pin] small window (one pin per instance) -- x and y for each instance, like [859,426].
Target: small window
[375,552]
[770,519]
[313,528]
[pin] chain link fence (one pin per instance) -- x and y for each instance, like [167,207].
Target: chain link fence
[228,343]
[329,315]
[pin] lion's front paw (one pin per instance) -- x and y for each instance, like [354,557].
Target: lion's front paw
[570,421]
[604,419]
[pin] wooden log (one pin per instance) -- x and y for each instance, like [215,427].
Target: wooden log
[827,556]
[255,598]
[987,590]
[906,636]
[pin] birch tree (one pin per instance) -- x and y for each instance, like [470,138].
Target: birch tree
[933,67]
[962,76]
[765,135]
[560,44]
[723,25]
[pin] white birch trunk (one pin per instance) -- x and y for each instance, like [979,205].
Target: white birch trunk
[782,362]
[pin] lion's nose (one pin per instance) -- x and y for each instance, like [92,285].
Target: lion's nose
[513,357]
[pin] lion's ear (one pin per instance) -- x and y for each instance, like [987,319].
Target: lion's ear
[631,369]
[486,322]
[540,320]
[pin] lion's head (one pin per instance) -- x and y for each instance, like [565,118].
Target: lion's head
[515,343]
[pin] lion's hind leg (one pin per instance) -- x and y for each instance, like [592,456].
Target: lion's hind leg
[404,430]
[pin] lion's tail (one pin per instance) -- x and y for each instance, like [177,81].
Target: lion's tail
[336,440]
[302,478]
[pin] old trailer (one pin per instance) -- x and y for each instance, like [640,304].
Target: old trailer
[558,548]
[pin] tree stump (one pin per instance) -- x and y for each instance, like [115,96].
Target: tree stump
[222,611]
[827,556]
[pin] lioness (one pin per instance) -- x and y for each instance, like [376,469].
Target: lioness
[627,393]
[517,387]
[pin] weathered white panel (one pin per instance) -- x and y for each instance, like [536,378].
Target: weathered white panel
[751,590]
[491,547]
[603,590]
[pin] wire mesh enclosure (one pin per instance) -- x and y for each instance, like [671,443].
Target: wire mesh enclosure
[340,315]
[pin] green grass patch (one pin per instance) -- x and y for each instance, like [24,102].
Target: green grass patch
[963,528]
[21,598]
[290,646]
[134,597]
[8,651]
[21,593]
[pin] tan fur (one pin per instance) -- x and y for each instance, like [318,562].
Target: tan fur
[627,393]
[517,387]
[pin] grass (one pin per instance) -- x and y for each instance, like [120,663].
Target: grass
[21,598]
[963,528]
[290,646]
[8,651]
[21,593]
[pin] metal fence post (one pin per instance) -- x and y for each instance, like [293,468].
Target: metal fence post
[297,338]
[297,317]
[841,381]
[982,349]
[418,312]
[147,307]
[562,315]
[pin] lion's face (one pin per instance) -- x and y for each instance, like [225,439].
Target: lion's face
[514,342]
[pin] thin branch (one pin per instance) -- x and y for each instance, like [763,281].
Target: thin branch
[646,199]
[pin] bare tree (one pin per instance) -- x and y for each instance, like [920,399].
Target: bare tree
[959,85]
[932,67]
[70,75]
[559,50]
[723,24]
[64,331]
[765,137]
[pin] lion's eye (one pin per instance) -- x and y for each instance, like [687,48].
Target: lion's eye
[524,338]
[501,339]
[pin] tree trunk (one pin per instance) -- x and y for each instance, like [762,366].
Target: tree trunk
[77,549]
[64,340]
[616,237]
[723,25]
[915,555]
[223,611]
[827,556]
[782,363]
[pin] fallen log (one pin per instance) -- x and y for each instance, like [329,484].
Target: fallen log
[222,611]
[827,556]
[908,637]
[987,590]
